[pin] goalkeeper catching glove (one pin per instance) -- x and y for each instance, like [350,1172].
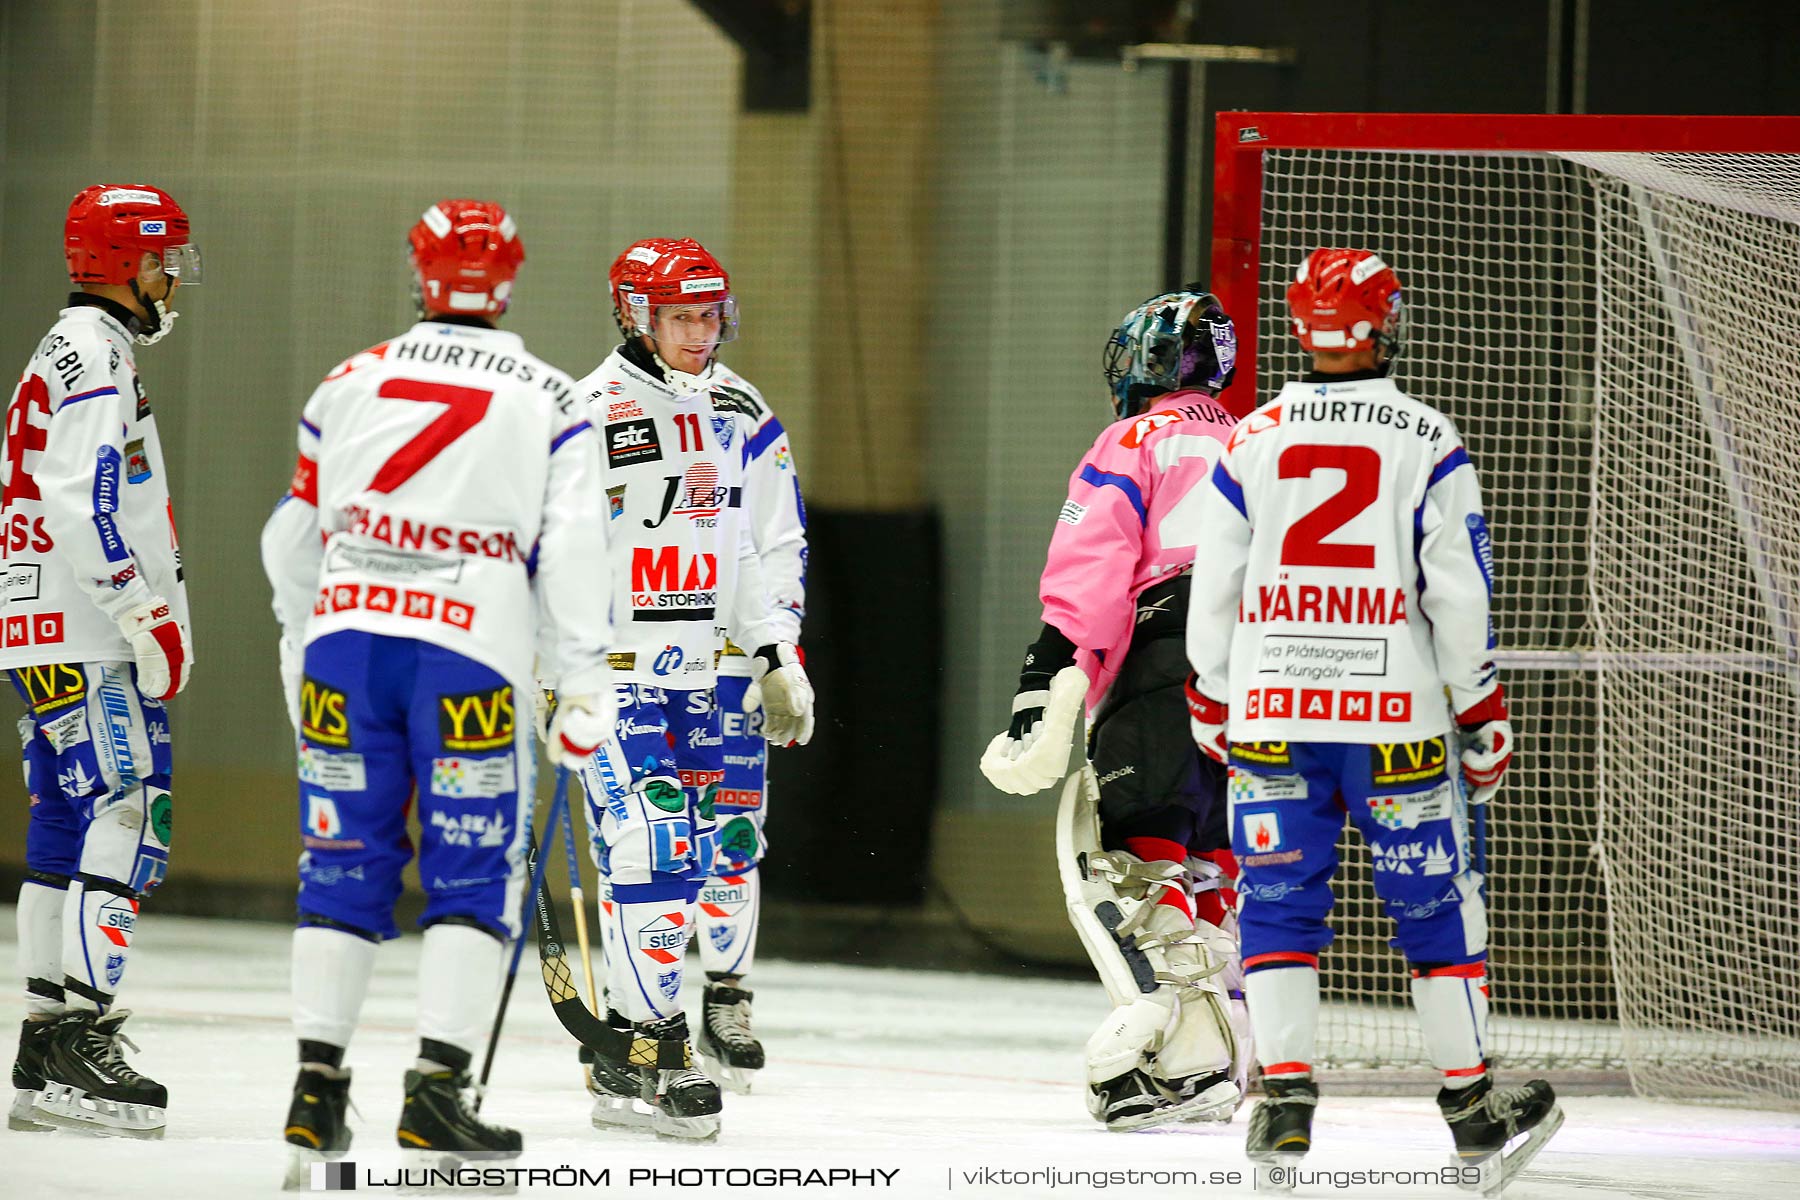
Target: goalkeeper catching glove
[1033,753]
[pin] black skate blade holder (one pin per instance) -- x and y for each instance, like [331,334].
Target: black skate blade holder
[593,1032]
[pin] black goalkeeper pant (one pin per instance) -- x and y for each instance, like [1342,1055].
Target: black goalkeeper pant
[1154,782]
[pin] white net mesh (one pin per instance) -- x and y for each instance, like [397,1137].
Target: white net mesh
[1610,333]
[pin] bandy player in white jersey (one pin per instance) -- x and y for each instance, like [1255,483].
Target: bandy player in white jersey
[730,902]
[447,499]
[686,575]
[1348,586]
[93,629]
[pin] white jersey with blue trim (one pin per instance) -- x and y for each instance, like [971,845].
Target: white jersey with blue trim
[686,574]
[776,511]
[1344,574]
[86,523]
[448,490]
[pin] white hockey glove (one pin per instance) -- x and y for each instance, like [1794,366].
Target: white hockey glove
[1487,745]
[293,669]
[781,689]
[578,726]
[160,645]
[1206,719]
[1033,753]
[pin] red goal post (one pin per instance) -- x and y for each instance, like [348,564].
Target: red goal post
[1605,306]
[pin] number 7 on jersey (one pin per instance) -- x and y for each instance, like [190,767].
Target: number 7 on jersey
[464,408]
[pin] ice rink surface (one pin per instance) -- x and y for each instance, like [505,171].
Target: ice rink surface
[950,1080]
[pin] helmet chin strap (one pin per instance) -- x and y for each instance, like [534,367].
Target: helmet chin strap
[154,326]
[682,381]
[1386,349]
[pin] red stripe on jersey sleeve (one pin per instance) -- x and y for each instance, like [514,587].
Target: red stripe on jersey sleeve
[306,481]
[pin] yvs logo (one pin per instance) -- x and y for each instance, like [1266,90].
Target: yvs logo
[324,715]
[477,720]
[51,687]
[669,586]
[1407,762]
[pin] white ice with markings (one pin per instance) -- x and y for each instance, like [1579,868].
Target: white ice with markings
[947,1079]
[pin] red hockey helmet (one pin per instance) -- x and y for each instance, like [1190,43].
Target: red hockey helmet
[630,270]
[466,253]
[1345,300]
[111,225]
[683,274]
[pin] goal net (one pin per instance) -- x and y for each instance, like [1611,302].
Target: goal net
[1608,310]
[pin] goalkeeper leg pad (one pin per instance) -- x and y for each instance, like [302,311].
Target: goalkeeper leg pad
[1111,896]
[1166,1051]
[1205,1059]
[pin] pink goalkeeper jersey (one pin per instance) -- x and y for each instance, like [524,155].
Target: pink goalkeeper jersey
[1129,523]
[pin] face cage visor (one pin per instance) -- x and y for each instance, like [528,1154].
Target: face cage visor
[1147,361]
[683,324]
[183,263]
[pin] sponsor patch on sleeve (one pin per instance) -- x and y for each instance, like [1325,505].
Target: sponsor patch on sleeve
[137,461]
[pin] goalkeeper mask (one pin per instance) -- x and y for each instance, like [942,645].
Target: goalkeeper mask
[1173,341]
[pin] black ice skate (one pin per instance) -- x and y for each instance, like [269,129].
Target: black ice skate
[1201,1098]
[617,1087]
[687,1103]
[1483,1120]
[317,1129]
[28,1076]
[731,1051]
[1136,1100]
[439,1128]
[89,1086]
[1128,1101]
[1281,1131]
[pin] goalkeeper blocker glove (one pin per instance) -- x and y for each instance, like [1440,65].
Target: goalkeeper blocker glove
[1487,745]
[1206,719]
[1033,753]
[159,645]
[779,686]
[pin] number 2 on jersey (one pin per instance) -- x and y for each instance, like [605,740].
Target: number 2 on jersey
[463,410]
[1305,544]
